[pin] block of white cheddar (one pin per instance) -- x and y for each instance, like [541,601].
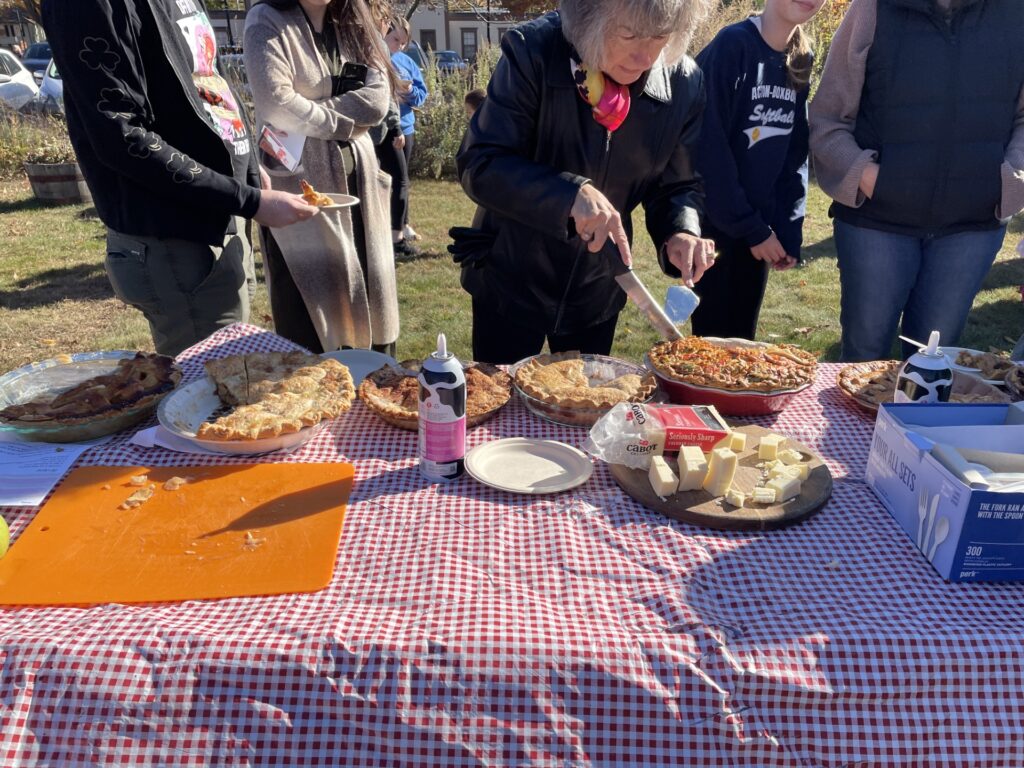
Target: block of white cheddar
[663,479]
[737,442]
[763,496]
[735,498]
[785,487]
[769,446]
[800,471]
[721,472]
[692,468]
[790,456]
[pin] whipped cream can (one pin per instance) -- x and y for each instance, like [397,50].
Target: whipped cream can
[442,415]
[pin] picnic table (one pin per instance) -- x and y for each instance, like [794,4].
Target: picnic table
[465,626]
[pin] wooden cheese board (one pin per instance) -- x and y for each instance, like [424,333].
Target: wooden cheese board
[700,508]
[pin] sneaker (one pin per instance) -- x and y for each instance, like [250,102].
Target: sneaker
[405,250]
[411,234]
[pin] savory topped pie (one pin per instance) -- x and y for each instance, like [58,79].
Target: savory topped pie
[393,393]
[740,367]
[562,380]
[136,382]
[275,393]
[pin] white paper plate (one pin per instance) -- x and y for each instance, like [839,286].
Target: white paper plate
[187,407]
[951,355]
[340,201]
[360,361]
[524,465]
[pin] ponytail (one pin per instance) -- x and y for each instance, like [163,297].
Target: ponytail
[799,59]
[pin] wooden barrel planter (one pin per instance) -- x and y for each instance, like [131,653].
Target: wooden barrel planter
[58,182]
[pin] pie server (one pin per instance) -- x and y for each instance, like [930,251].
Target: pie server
[639,295]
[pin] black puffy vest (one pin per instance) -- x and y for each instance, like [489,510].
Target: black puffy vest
[938,106]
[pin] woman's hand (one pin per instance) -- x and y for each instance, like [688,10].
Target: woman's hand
[692,256]
[769,250]
[868,179]
[787,263]
[597,221]
[264,179]
[399,141]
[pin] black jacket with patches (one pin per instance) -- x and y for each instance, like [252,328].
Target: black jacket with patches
[530,147]
[153,159]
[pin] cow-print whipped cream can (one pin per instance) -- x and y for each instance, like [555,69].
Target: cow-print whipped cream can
[442,416]
[925,378]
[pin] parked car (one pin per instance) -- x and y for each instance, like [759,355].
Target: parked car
[51,91]
[17,87]
[36,59]
[449,61]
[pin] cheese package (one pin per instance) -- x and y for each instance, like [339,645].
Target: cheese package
[721,471]
[663,479]
[692,468]
[631,433]
[769,446]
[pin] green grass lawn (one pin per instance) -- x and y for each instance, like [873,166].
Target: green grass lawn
[54,294]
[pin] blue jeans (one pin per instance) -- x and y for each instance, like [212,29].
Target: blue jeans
[930,281]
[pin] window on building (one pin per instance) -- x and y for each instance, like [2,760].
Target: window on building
[469,43]
[428,39]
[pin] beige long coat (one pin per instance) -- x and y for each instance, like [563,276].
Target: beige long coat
[291,89]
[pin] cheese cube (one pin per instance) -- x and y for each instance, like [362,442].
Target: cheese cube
[785,487]
[692,468]
[763,496]
[663,479]
[721,472]
[769,446]
[790,456]
[783,470]
[735,498]
[737,442]
[800,471]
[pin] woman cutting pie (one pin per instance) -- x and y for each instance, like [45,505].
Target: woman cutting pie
[591,111]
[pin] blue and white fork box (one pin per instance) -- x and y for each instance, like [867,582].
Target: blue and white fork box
[967,531]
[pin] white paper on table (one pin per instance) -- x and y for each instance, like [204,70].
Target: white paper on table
[158,437]
[29,471]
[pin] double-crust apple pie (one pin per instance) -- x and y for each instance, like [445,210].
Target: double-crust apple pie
[739,367]
[136,383]
[275,393]
[563,380]
[393,393]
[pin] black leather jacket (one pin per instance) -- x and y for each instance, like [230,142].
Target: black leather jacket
[528,150]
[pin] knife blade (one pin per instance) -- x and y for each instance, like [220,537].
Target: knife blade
[639,295]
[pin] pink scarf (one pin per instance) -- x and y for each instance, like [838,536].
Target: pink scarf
[608,100]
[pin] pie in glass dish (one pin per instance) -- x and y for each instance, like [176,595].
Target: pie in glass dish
[393,392]
[136,383]
[275,393]
[577,389]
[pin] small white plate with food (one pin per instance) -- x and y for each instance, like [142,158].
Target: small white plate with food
[987,366]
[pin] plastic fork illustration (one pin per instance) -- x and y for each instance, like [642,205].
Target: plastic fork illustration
[930,525]
[941,532]
[922,513]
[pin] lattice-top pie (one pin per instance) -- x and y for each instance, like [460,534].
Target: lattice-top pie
[135,383]
[740,367]
[563,380]
[393,393]
[276,393]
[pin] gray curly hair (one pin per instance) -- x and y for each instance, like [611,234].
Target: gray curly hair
[585,23]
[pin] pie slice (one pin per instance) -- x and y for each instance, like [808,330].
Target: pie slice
[313,197]
[276,393]
[392,393]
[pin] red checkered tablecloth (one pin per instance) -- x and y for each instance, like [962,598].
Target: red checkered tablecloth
[469,627]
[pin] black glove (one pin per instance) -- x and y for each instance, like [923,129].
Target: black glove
[470,246]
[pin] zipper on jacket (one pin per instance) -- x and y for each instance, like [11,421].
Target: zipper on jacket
[602,177]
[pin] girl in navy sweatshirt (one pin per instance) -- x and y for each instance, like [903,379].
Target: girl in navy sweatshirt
[752,156]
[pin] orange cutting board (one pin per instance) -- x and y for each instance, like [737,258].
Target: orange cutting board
[254,529]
